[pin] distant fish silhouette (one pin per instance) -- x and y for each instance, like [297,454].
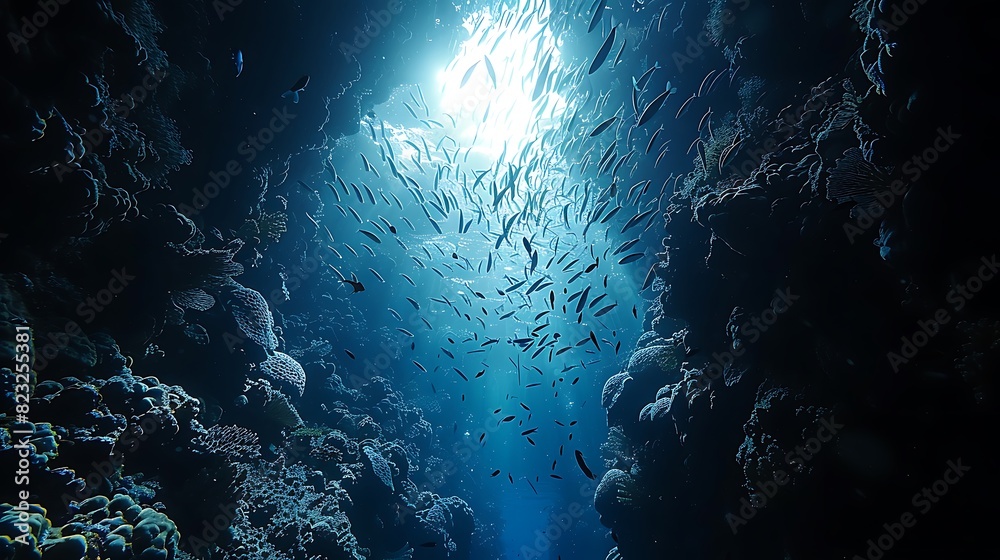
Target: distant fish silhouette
[358,286]
[299,86]
[238,61]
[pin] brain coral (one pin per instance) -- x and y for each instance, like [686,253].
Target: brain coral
[374,460]
[285,370]
[254,317]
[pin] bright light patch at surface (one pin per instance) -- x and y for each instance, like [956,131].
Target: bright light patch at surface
[494,116]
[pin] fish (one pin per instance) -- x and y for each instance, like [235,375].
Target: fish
[597,11]
[640,84]
[652,108]
[490,71]
[583,465]
[370,235]
[419,366]
[631,258]
[593,338]
[618,57]
[238,61]
[357,286]
[377,275]
[636,220]
[603,126]
[605,309]
[410,110]
[468,74]
[684,106]
[604,51]
[652,139]
[297,87]
[350,354]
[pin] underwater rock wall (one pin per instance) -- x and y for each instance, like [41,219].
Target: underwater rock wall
[165,417]
[824,319]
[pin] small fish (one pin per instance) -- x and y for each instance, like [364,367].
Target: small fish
[631,258]
[490,71]
[350,354]
[495,473]
[604,310]
[597,12]
[370,235]
[298,87]
[238,61]
[684,106]
[603,126]
[468,74]
[593,338]
[604,51]
[357,286]
[652,108]
[583,465]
